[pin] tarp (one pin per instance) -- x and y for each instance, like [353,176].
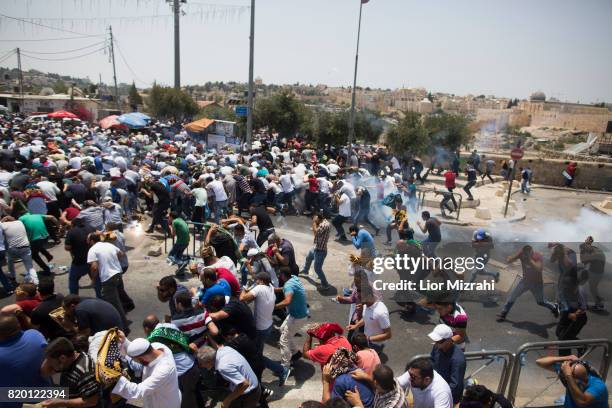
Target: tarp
[110,122]
[60,114]
[199,125]
[134,120]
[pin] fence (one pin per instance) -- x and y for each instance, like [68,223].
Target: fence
[512,363]
[423,192]
[589,345]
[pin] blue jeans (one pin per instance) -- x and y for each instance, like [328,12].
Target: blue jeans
[260,341]
[220,207]
[319,258]
[429,247]
[177,251]
[75,274]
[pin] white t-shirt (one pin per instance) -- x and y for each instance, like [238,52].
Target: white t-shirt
[344,206]
[276,189]
[333,169]
[376,319]
[201,196]
[348,189]
[264,305]
[49,188]
[324,185]
[436,395]
[286,183]
[225,262]
[217,187]
[106,254]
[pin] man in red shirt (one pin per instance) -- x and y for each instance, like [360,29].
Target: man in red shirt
[449,183]
[330,339]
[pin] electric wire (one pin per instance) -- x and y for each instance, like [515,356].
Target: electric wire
[128,65]
[65,59]
[67,51]
[23,20]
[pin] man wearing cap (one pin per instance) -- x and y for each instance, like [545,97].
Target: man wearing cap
[448,359]
[159,387]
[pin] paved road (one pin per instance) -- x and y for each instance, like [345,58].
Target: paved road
[526,323]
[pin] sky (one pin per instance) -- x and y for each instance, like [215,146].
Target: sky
[502,48]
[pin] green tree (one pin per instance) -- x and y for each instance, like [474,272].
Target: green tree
[281,112]
[60,87]
[409,135]
[217,112]
[448,130]
[133,96]
[167,102]
[333,128]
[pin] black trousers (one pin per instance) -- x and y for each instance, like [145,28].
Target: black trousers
[189,384]
[568,329]
[38,247]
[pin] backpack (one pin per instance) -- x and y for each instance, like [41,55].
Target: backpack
[389,200]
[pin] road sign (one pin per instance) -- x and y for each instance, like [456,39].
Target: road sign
[242,110]
[517,153]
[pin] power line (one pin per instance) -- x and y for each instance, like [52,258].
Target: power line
[23,20]
[128,65]
[49,39]
[67,51]
[7,56]
[64,59]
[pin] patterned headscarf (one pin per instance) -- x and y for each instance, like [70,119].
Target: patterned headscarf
[342,361]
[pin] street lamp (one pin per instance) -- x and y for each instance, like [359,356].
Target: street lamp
[352,117]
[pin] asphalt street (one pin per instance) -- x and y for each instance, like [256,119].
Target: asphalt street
[527,322]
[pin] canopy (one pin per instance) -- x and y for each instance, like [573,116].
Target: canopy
[110,122]
[199,125]
[134,120]
[60,114]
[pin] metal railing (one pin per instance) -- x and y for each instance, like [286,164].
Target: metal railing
[589,344]
[421,193]
[489,357]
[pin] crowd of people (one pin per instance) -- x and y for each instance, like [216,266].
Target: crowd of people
[79,185]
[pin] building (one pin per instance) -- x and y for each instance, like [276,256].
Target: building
[49,103]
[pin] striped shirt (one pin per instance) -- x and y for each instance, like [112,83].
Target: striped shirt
[322,235]
[193,324]
[80,378]
[243,184]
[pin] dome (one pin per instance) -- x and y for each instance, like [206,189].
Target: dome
[425,100]
[538,96]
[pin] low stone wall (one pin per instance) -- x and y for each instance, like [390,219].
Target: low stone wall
[591,175]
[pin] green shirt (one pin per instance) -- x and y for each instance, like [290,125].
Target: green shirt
[35,226]
[182,231]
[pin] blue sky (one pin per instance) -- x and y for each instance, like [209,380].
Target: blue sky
[561,47]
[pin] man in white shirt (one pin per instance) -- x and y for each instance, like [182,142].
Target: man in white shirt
[375,321]
[51,190]
[220,202]
[286,183]
[105,269]
[233,367]
[429,390]
[159,387]
[265,299]
[344,214]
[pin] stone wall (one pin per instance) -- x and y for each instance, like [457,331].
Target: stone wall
[575,121]
[591,175]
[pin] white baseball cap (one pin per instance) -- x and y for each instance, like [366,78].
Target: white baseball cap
[441,332]
[138,347]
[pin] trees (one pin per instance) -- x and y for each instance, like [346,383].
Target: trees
[217,112]
[409,135]
[281,112]
[134,97]
[448,130]
[60,87]
[167,102]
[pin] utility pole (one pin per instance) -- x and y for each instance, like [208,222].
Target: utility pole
[112,50]
[20,77]
[251,66]
[99,85]
[176,8]
[352,117]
